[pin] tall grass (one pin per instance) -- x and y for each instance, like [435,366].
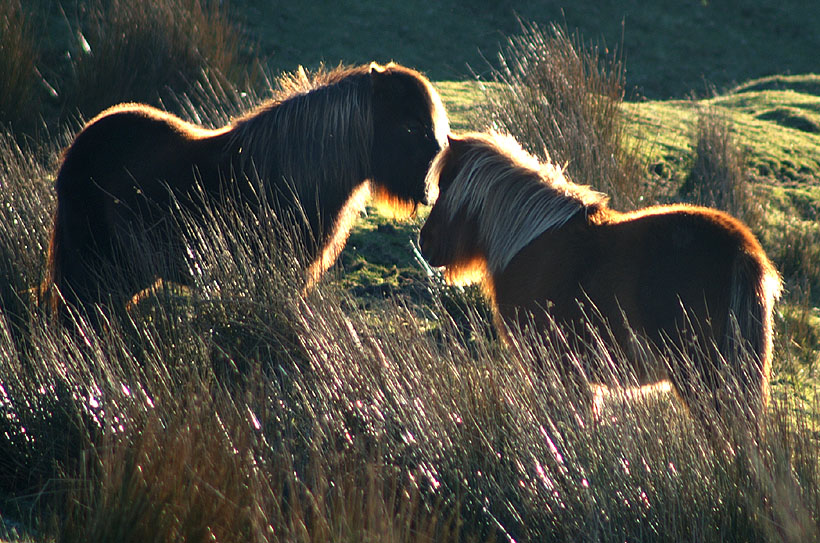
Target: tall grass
[19,54]
[561,99]
[795,249]
[26,204]
[719,177]
[138,51]
[241,409]
[118,51]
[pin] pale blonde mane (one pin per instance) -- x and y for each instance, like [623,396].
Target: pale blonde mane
[514,197]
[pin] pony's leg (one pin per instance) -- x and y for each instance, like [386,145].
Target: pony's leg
[169,268]
[83,296]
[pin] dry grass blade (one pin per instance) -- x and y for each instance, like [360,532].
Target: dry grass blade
[18,64]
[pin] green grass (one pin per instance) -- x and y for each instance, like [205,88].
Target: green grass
[378,259]
[780,151]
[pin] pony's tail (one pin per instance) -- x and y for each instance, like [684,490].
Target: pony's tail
[748,340]
[71,259]
[52,287]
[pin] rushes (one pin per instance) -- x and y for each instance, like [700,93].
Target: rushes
[113,51]
[18,60]
[719,176]
[561,100]
[244,410]
[136,51]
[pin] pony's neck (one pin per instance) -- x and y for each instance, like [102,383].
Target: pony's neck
[314,147]
[517,215]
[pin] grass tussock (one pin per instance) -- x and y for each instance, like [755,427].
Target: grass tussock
[137,51]
[719,174]
[561,99]
[19,55]
[114,51]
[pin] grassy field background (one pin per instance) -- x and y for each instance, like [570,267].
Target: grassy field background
[672,49]
[382,407]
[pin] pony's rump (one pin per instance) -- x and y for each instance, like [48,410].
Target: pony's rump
[314,151]
[684,279]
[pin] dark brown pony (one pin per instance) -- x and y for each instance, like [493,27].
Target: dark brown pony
[317,152]
[686,280]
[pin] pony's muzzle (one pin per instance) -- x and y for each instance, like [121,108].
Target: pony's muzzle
[426,247]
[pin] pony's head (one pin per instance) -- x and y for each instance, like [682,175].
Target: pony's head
[493,199]
[449,237]
[409,128]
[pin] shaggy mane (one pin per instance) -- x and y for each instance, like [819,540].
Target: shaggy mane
[317,132]
[514,197]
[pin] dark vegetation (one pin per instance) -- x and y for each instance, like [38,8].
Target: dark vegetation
[380,406]
[672,49]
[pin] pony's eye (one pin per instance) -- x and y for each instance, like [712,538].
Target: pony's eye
[414,128]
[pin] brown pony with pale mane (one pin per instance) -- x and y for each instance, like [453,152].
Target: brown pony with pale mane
[334,138]
[544,248]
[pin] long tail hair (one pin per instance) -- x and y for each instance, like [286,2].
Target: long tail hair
[748,341]
[68,255]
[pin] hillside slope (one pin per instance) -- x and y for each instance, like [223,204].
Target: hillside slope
[671,48]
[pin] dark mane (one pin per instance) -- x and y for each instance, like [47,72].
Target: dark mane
[321,134]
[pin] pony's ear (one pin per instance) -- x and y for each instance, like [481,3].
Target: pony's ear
[457,144]
[376,70]
[382,84]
